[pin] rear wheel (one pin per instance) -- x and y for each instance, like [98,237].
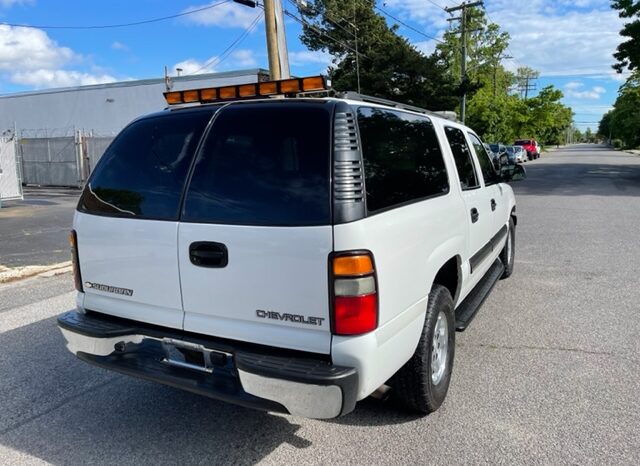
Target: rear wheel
[421,385]
[508,254]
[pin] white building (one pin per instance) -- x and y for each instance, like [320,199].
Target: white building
[103,108]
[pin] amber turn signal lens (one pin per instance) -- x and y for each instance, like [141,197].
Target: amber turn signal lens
[315,83]
[247,90]
[289,86]
[190,96]
[352,265]
[208,94]
[227,92]
[173,98]
[268,88]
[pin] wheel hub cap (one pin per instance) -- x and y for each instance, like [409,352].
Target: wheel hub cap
[439,349]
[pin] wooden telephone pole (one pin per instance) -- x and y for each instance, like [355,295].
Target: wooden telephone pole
[276,38]
[463,7]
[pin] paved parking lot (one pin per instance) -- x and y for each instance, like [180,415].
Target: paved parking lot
[34,231]
[548,373]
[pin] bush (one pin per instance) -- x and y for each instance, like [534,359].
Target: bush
[617,143]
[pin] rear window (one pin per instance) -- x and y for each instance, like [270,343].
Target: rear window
[265,164]
[522,142]
[143,172]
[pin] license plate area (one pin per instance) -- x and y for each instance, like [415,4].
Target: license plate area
[187,355]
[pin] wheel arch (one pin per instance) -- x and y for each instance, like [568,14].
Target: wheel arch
[449,275]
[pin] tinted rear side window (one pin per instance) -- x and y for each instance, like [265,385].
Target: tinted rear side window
[463,158]
[402,158]
[265,164]
[143,172]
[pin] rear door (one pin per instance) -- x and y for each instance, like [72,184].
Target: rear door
[127,219]
[498,198]
[255,232]
[479,215]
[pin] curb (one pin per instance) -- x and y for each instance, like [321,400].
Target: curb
[8,275]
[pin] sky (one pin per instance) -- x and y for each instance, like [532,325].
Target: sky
[570,42]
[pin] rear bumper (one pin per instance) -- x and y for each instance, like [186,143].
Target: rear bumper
[253,376]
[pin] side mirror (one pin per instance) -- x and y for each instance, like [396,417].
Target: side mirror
[513,173]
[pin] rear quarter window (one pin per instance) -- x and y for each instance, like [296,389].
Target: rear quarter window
[143,172]
[402,158]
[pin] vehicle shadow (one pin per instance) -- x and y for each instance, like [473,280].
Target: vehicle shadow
[63,411]
[561,178]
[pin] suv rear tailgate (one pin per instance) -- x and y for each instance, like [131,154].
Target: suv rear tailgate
[272,292]
[255,232]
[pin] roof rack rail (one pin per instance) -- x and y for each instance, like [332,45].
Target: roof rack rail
[449,115]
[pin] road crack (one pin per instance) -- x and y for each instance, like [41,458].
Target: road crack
[548,349]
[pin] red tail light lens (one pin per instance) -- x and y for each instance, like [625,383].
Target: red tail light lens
[73,243]
[355,294]
[355,315]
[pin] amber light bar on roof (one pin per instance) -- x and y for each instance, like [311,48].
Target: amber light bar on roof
[247,91]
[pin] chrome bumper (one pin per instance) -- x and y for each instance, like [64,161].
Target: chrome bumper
[299,386]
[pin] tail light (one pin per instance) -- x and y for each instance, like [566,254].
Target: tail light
[354,294]
[73,243]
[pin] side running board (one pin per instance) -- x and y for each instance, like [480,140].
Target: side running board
[467,310]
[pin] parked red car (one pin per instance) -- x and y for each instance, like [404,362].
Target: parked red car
[531,146]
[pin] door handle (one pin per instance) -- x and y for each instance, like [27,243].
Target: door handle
[493,204]
[475,215]
[208,254]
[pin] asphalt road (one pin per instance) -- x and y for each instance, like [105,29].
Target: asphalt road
[34,231]
[548,373]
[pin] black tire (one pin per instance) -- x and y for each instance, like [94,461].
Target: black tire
[508,254]
[412,386]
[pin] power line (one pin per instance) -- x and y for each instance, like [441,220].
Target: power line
[109,26]
[313,28]
[439,6]
[227,52]
[407,25]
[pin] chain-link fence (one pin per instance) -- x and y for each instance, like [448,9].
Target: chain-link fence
[60,160]
[10,176]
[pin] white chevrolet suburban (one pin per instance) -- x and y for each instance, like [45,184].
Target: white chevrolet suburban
[292,254]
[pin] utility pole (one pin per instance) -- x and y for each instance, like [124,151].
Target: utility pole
[272,39]
[276,38]
[498,59]
[525,75]
[463,39]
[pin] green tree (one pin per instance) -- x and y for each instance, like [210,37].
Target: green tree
[628,53]
[604,127]
[589,136]
[548,118]
[389,66]
[623,122]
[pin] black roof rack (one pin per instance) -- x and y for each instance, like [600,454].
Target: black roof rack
[350,95]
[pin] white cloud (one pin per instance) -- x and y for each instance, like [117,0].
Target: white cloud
[119,46]
[310,57]
[192,66]
[227,15]
[573,89]
[30,49]
[572,85]
[59,78]
[555,37]
[10,3]
[563,40]
[29,57]
[242,58]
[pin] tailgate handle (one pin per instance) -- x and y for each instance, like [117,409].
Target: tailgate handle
[208,254]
